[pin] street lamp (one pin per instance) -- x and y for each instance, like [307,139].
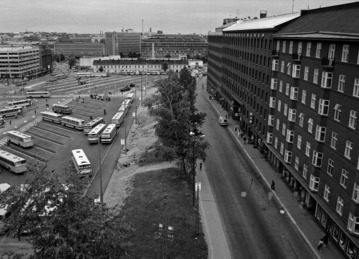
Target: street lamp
[165,231]
[195,133]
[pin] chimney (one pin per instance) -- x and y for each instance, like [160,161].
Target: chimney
[263,14]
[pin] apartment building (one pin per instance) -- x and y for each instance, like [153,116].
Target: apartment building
[122,42]
[19,62]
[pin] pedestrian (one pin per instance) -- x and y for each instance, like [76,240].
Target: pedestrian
[235,128]
[10,122]
[244,139]
[35,111]
[273,185]
[200,166]
[320,245]
[104,112]
[326,239]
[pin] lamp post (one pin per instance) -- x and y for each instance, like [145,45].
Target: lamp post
[195,133]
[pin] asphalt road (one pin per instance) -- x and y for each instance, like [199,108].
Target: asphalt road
[253,226]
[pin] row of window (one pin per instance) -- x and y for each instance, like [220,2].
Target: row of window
[247,40]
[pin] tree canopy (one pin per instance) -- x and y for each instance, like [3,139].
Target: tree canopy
[61,220]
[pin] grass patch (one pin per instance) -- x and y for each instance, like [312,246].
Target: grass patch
[144,210]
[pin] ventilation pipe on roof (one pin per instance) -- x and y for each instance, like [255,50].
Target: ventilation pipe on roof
[263,14]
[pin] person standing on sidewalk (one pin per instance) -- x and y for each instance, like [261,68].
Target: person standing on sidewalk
[200,166]
[326,239]
[320,245]
[272,186]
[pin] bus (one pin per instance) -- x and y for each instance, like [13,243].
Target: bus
[51,116]
[130,96]
[20,103]
[95,134]
[32,94]
[10,111]
[19,138]
[118,119]
[81,162]
[109,133]
[92,124]
[122,108]
[72,122]
[60,108]
[81,74]
[12,162]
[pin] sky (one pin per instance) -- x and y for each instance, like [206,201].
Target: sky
[169,16]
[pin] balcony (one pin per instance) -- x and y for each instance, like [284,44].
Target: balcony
[328,63]
[297,58]
[275,53]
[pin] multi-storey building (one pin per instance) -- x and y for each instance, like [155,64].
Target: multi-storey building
[19,62]
[295,84]
[313,134]
[122,43]
[79,49]
[174,45]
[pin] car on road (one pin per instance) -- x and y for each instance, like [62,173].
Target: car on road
[125,89]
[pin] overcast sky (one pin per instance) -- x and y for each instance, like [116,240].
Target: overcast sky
[170,16]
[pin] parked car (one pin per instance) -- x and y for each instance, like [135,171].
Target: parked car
[125,89]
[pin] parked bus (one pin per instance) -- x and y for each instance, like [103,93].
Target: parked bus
[20,103]
[118,119]
[95,134]
[20,139]
[81,162]
[72,122]
[10,111]
[51,116]
[130,96]
[60,108]
[122,108]
[82,74]
[92,124]
[34,94]
[12,162]
[109,133]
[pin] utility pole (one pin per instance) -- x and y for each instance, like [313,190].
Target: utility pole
[100,171]
[293,6]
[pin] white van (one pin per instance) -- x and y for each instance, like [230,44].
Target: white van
[222,121]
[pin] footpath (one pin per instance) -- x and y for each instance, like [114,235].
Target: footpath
[300,217]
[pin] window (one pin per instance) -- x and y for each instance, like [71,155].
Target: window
[279,105]
[327,79]
[355,196]
[305,171]
[330,166]
[309,46]
[314,183]
[275,63]
[278,45]
[274,83]
[323,107]
[317,158]
[352,119]
[287,87]
[275,142]
[301,119]
[289,68]
[284,129]
[272,102]
[344,178]
[277,124]
[269,137]
[299,142]
[340,205]
[296,163]
[282,63]
[345,53]
[353,224]
[288,157]
[294,93]
[284,46]
[341,83]
[310,125]
[334,140]
[348,149]
[320,133]
[312,101]
[300,47]
[318,50]
[326,193]
[304,96]
[270,120]
[290,136]
[281,149]
[292,115]
[337,111]
[290,51]
[315,76]
[280,86]
[331,53]
[356,87]
[307,149]
[306,73]
[296,71]
[285,110]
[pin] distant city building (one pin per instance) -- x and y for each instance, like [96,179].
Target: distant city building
[79,49]
[137,66]
[20,62]
[122,43]
[87,62]
[174,45]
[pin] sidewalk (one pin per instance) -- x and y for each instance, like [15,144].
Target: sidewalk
[302,220]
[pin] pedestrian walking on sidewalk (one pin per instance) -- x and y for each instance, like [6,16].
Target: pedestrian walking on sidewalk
[200,166]
[273,185]
[326,239]
[320,245]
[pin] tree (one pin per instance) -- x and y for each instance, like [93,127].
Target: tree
[62,221]
[100,69]
[72,61]
[165,66]
[168,55]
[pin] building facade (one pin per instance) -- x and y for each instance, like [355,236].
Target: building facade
[174,45]
[20,62]
[79,49]
[122,42]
